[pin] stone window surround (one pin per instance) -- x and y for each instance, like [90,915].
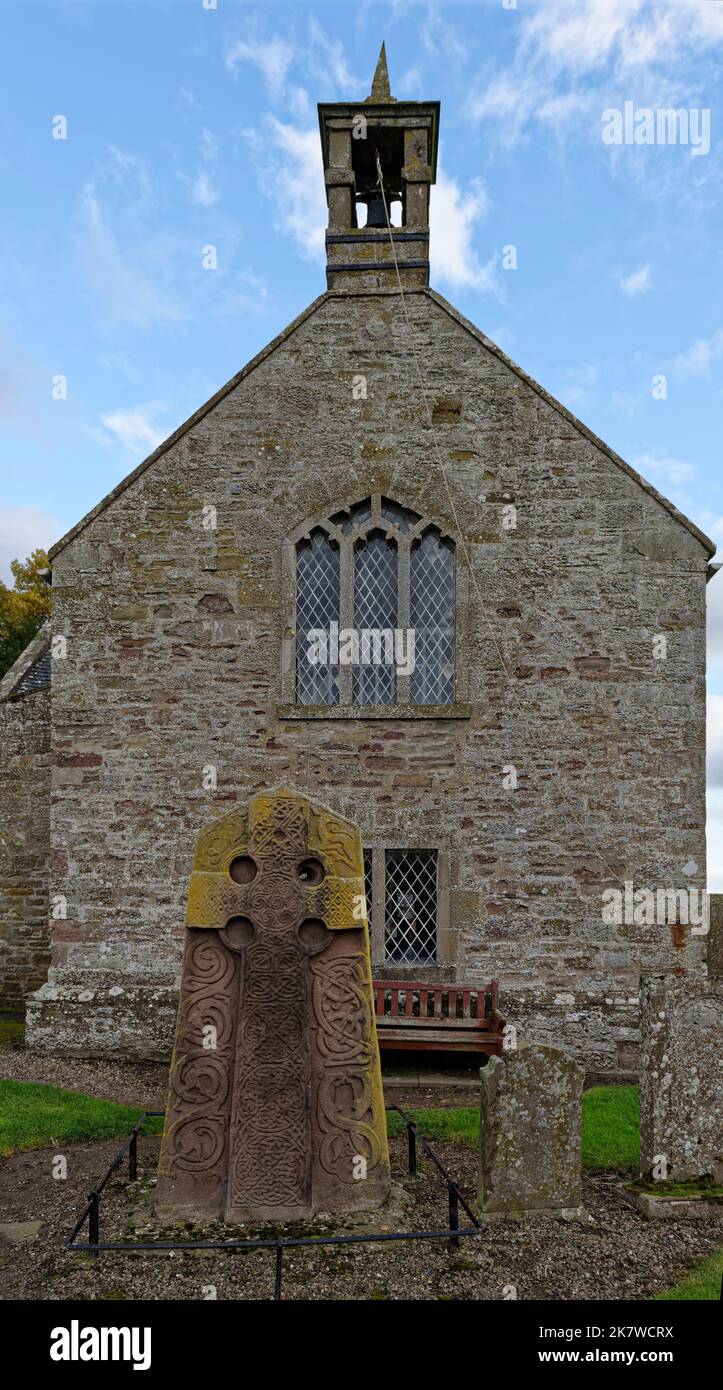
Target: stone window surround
[346,541]
[377,845]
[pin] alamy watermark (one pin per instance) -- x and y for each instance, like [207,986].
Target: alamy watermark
[667,125]
[649,907]
[366,646]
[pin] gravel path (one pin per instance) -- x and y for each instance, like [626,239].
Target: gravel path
[130,1083]
[618,1255]
[146,1083]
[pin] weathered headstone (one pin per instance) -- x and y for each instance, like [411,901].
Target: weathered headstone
[530,1133]
[275,1106]
[681,1081]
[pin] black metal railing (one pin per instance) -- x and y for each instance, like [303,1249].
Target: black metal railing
[453,1232]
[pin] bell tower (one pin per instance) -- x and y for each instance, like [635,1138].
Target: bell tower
[403,137]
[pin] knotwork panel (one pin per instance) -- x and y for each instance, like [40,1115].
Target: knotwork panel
[275,1100]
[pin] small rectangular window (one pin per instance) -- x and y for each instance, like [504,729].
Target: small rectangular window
[410,907]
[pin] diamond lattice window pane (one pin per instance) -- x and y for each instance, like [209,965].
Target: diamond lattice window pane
[432,618]
[410,925]
[368,886]
[375,607]
[317,606]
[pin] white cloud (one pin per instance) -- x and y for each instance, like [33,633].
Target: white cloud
[300,104]
[203,191]
[715,740]
[454,215]
[574,392]
[714,595]
[273,59]
[22,530]
[321,59]
[697,360]
[130,283]
[637,282]
[574,58]
[291,174]
[715,841]
[330,60]
[673,477]
[247,293]
[582,36]
[442,39]
[712,524]
[134,429]
[410,82]
[663,469]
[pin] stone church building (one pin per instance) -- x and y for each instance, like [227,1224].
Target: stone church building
[381,466]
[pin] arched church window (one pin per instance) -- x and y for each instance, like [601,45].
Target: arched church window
[431,614]
[375,609]
[375,594]
[317,609]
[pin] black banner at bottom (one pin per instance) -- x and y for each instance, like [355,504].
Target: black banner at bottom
[513,1336]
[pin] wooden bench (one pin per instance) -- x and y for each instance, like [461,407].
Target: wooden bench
[420,1017]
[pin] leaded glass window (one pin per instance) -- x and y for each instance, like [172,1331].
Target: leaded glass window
[368,886]
[431,613]
[375,613]
[317,608]
[410,918]
[379,581]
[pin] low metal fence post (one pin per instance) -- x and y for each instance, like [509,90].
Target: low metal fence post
[453,1215]
[412,1149]
[453,1233]
[94,1220]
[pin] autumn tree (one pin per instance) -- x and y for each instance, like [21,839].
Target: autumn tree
[24,608]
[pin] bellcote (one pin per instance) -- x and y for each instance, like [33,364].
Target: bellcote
[403,135]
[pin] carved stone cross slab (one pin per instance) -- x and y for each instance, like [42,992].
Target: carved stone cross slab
[275,1107]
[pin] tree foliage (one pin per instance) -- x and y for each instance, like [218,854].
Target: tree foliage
[23,608]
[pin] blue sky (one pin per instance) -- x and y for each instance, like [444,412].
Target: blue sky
[189,126]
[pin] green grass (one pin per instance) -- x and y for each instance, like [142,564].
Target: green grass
[462,1123]
[12,1032]
[610,1126]
[695,1187]
[35,1117]
[703,1282]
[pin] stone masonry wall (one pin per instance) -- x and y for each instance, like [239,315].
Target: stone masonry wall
[24,847]
[174,663]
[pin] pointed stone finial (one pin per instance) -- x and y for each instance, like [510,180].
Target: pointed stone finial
[381,91]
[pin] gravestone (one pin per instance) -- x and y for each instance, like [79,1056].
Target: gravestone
[681,1080]
[275,1108]
[530,1132]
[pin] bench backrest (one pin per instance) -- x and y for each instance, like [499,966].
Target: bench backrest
[421,1002]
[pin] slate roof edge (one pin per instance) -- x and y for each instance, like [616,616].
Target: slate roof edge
[37,647]
[188,424]
[573,420]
